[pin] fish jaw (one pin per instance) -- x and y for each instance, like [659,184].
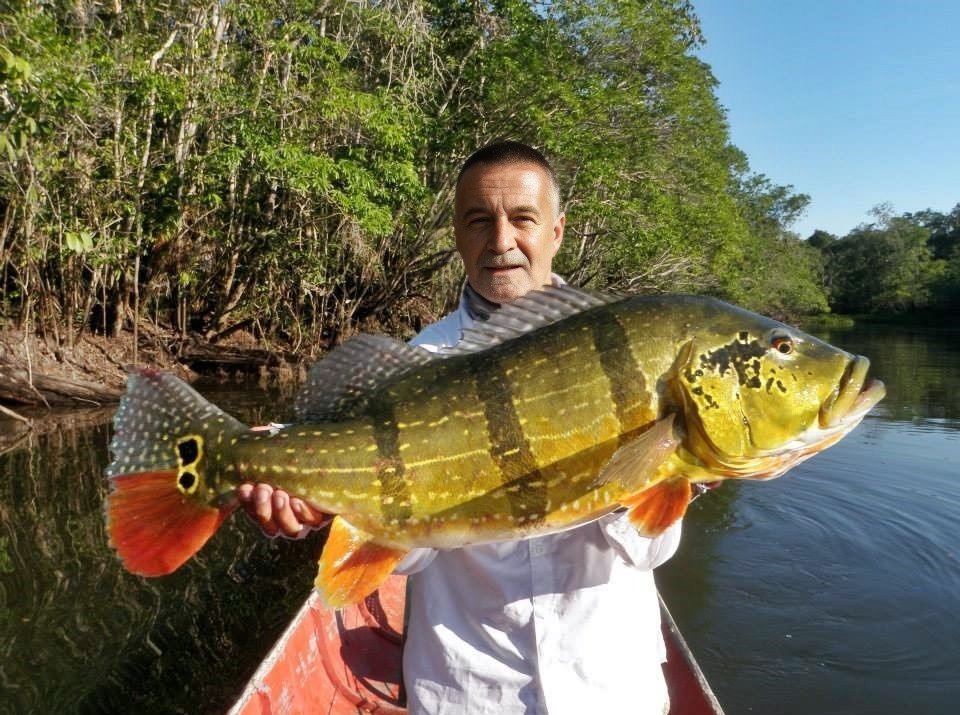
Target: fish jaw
[838,415]
[853,402]
[855,396]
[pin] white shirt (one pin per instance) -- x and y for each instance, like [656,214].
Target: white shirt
[563,623]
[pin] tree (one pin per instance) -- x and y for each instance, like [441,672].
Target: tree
[777,274]
[821,240]
[287,168]
[882,267]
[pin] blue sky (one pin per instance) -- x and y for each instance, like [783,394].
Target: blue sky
[854,102]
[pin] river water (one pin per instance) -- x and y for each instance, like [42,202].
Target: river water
[835,589]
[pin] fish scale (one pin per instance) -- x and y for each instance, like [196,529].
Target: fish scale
[562,407]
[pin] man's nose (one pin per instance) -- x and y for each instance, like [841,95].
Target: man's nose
[503,236]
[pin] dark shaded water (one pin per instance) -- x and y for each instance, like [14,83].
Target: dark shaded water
[80,634]
[833,590]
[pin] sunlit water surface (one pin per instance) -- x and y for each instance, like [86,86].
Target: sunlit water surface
[835,589]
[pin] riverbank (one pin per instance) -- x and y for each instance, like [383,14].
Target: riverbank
[39,373]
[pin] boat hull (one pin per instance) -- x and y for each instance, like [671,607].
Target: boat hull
[347,662]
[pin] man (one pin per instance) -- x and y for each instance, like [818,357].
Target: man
[564,623]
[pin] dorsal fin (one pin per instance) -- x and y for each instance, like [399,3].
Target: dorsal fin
[534,310]
[338,386]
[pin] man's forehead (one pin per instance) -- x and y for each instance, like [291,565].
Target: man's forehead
[504,168]
[516,183]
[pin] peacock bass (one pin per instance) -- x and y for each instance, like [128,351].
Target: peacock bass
[563,406]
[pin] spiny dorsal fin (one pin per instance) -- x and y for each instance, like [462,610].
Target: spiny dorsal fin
[534,310]
[339,385]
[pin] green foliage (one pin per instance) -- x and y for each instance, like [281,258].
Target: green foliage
[891,266]
[289,168]
[775,273]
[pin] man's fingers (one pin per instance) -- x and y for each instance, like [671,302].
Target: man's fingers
[283,515]
[276,512]
[257,501]
[307,514]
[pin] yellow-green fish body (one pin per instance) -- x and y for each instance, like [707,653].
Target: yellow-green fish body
[561,408]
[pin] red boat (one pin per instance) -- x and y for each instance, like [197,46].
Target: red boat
[347,662]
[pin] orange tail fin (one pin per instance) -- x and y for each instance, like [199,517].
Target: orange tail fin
[167,497]
[154,527]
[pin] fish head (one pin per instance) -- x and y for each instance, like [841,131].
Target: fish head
[760,396]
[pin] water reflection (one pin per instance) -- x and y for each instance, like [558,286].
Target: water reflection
[80,634]
[919,368]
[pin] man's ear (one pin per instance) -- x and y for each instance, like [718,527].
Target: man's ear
[558,232]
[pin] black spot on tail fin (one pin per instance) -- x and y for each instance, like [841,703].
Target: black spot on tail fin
[157,411]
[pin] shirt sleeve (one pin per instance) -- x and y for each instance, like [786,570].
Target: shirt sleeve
[640,551]
[415,560]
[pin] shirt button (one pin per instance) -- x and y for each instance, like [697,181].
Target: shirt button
[538,548]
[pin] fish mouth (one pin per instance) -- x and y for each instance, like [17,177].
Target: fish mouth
[855,396]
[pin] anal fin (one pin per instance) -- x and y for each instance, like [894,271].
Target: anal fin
[351,565]
[653,510]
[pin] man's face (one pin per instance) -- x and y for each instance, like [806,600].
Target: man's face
[507,229]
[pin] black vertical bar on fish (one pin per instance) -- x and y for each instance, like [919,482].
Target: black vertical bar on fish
[627,384]
[394,495]
[509,447]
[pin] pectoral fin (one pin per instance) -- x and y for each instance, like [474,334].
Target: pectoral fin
[351,565]
[653,510]
[635,463]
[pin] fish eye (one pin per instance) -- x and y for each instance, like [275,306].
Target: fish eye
[783,344]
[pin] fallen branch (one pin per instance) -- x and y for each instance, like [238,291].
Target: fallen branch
[20,385]
[14,415]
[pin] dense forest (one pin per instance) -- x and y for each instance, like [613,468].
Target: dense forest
[285,167]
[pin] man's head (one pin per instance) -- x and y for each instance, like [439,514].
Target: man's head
[507,220]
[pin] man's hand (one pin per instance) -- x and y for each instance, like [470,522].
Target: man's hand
[278,513]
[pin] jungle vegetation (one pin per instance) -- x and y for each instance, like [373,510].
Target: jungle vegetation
[286,167]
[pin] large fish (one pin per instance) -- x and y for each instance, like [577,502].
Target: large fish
[562,407]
